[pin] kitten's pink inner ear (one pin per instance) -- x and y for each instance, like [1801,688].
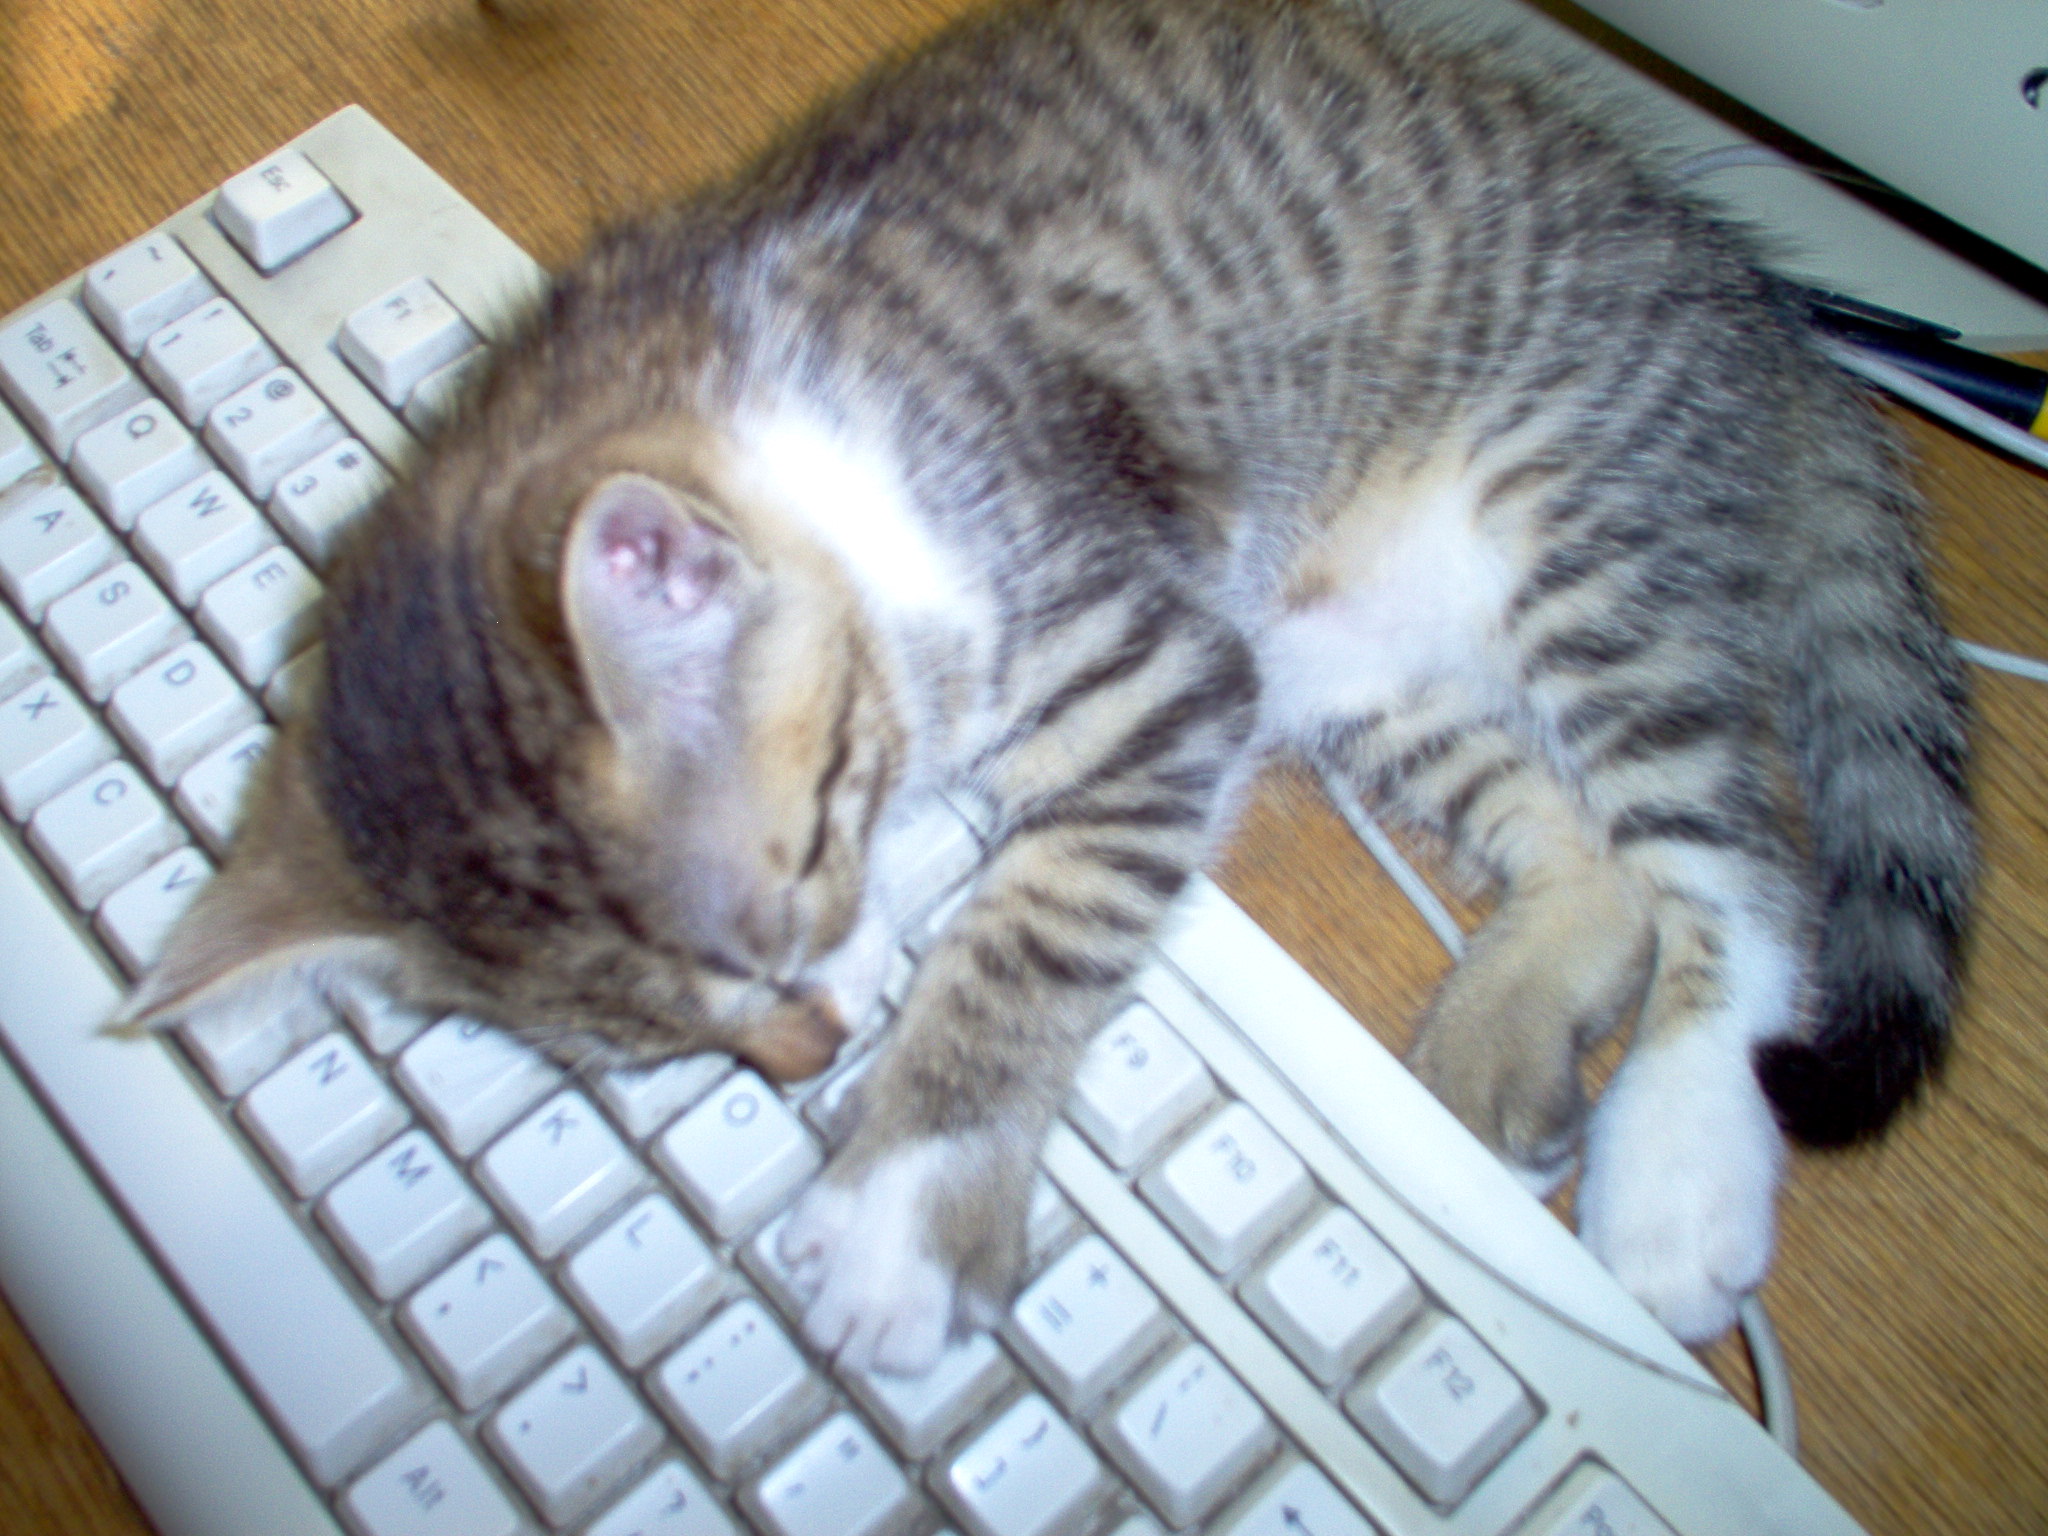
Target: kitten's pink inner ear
[651,548]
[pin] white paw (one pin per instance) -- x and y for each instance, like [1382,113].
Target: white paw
[878,1298]
[1682,1168]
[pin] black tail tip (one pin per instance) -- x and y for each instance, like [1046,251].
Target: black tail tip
[1847,1084]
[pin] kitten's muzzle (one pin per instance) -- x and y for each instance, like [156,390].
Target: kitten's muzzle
[797,1039]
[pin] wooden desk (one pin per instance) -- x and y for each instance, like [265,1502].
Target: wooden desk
[1908,1287]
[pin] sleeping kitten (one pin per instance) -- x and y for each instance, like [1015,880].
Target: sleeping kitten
[1113,392]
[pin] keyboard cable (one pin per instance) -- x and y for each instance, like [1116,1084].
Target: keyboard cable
[1766,1356]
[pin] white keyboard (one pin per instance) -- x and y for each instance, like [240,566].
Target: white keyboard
[1277,1290]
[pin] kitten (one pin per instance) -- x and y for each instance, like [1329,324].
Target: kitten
[1110,393]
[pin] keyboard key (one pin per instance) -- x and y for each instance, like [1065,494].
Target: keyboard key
[1051,1223]
[397,340]
[1230,1188]
[557,1171]
[1188,1435]
[1443,1408]
[1594,1502]
[667,1502]
[643,1280]
[644,1099]
[140,456]
[1138,1083]
[469,1080]
[19,455]
[63,375]
[1300,1501]
[919,1413]
[830,1109]
[325,494]
[22,661]
[143,287]
[384,1026]
[262,612]
[1027,1474]
[292,684]
[211,792]
[839,1482]
[1333,1296]
[321,1113]
[136,919]
[108,629]
[50,541]
[403,1214]
[269,427]
[486,1320]
[204,357]
[736,1387]
[738,1154]
[179,708]
[279,210]
[236,1046]
[1085,1322]
[200,532]
[433,1485]
[102,832]
[572,1434]
[436,396]
[48,739]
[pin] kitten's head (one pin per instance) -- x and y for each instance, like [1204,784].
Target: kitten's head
[597,752]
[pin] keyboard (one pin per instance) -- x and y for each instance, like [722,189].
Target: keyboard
[403,1276]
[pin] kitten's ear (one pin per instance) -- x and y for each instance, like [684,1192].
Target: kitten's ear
[283,931]
[652,591]
[225,962]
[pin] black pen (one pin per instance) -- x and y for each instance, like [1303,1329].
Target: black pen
[2011,391]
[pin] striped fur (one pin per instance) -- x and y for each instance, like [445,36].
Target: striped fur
[1108,393]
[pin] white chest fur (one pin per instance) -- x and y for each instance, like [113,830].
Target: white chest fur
[850,495]
[1407,587]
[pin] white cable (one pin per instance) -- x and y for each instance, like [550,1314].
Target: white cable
[1773,1376]
[2004,661]
[1729,156]
[1939,402]
[1398,869]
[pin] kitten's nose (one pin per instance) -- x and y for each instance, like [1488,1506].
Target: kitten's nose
[797,1040]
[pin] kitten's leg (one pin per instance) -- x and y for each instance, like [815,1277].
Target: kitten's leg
[1683,1155]
[1108,793]
[1562,959]
[1667,865]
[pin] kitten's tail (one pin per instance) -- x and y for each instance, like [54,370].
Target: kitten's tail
[1876,716]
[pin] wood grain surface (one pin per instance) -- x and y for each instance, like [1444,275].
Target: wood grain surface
[1908,1286]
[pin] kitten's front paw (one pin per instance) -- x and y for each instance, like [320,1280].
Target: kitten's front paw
[867,1255]
[1682,1167]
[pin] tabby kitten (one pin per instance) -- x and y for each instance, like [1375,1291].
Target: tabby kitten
[1112,392]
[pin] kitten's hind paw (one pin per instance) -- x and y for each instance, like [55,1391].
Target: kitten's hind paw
[879,1299]
[1682,1167]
